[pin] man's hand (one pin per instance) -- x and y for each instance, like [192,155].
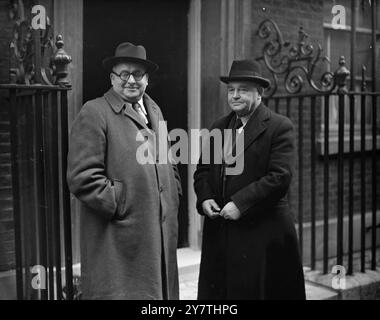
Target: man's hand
[210,208]
[230,212]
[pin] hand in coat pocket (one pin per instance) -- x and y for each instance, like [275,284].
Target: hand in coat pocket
[120,212]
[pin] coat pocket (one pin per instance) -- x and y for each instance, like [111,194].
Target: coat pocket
[120,199]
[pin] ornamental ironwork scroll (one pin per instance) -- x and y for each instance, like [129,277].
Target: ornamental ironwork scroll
[32,60]
[297,62]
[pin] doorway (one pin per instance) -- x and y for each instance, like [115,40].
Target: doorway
[162,28]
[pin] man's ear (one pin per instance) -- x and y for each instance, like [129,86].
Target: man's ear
[260,90]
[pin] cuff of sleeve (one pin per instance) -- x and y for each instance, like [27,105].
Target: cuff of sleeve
[200,201]
[241,203]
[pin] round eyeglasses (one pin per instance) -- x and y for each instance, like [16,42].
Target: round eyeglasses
[124,75]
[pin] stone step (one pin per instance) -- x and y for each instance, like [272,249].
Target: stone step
[317,292]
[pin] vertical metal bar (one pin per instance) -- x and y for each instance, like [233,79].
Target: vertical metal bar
[37,55]
[326,186]
[288,107]
[374,142]
[351,187]
[48,189]
[373,43]
[340,181]
[66,198]
[55,192]
[354,12]
[15,192]
[374,182]
[300,174]
[40,187]
[312,179]
[29,193]
[362,175]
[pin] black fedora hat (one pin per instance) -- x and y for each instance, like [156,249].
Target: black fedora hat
[246,70]
[128,52]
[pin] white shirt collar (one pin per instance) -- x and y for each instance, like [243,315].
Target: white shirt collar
[245,119]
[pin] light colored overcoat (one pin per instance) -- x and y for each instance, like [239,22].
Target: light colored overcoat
[129,211]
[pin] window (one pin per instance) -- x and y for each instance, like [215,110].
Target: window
[337,42]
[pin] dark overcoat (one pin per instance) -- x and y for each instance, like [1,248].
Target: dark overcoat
[257,256]
[129,210]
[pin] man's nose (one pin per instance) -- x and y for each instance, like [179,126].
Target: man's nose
[236,94]
[131,79]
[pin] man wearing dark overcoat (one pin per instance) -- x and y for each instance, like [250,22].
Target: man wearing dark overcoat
[249,246]
[129,207]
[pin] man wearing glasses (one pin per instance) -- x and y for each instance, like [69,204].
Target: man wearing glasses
[129,208]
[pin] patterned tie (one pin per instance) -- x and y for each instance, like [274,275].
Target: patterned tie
[136,106]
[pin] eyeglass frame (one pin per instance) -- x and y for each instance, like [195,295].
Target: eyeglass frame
[129,75]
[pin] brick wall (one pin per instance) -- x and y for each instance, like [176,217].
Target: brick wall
[6,214]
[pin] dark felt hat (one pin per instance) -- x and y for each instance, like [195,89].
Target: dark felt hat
[128,52]
[246,70]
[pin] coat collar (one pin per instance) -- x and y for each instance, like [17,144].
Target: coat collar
[256,125]
[117,104]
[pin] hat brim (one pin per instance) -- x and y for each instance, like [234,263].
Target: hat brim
[110,62]
[265,83]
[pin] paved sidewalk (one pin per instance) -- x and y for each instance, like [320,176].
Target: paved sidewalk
[188,261]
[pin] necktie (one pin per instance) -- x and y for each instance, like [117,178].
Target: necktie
[238,124]
[136,106]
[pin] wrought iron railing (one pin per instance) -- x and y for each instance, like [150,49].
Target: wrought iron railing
[37,101]
[41,200]
[330,196]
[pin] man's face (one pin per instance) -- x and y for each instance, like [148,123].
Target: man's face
[243,97]
[132,89]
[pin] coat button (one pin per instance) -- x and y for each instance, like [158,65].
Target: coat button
[163,218]
[161,188]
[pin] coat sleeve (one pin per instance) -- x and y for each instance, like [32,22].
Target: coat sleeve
[86,174]
[275,184]
[202,186]
[177,176]
[177,179]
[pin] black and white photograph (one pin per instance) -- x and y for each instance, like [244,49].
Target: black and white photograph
[203,151]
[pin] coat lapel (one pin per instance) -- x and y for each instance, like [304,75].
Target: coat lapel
[117,105]
[152,110]
[129,112]
[255,126]
[222,126]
